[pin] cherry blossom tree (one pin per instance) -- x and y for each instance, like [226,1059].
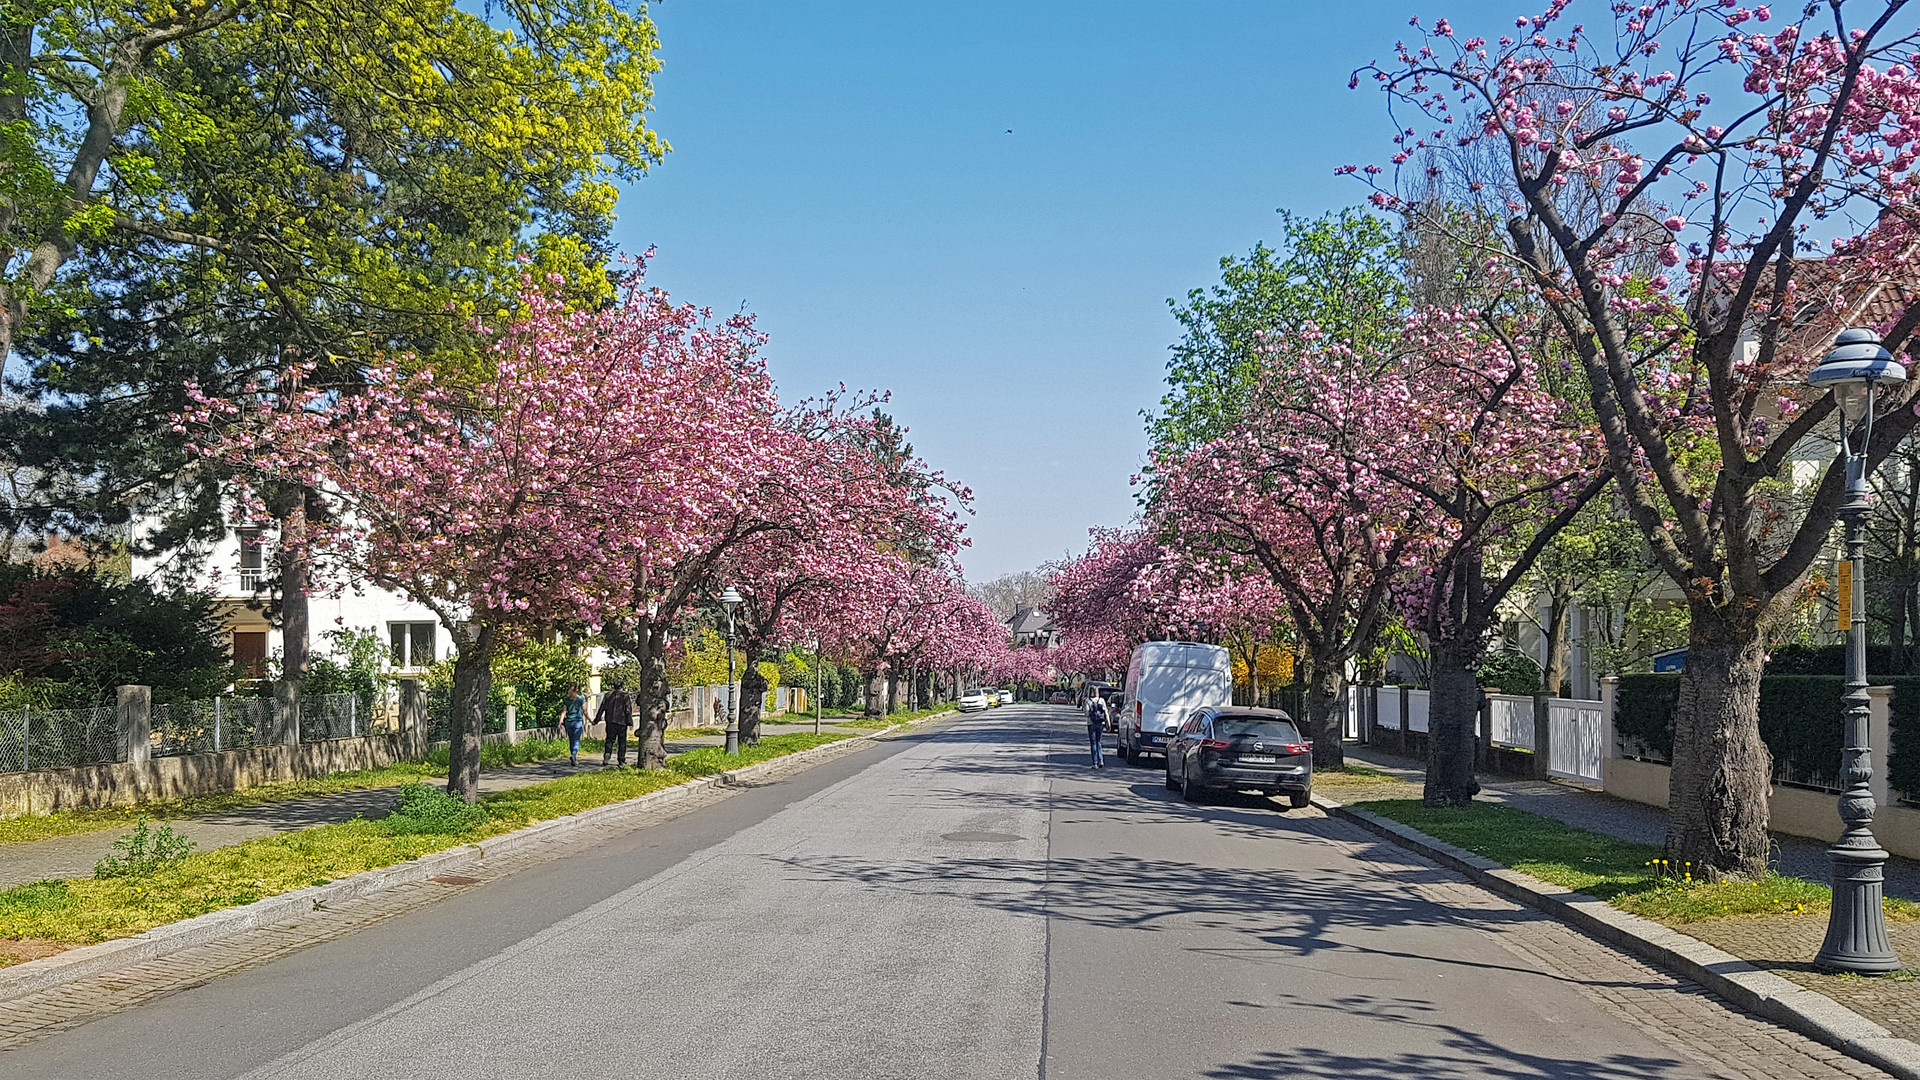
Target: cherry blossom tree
[833,511]
[1666,186]
[507,500]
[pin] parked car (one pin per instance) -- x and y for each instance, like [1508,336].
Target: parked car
[977,700]
[1006,696]
[1059,697]
[1240,749]
[1166,682]
[1092,689]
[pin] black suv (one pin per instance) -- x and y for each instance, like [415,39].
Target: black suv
[1236,749]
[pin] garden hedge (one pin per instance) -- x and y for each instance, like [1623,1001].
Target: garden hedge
[1799,721]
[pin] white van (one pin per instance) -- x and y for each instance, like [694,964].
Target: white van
[1166,682]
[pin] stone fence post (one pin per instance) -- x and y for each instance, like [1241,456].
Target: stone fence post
[413,709]
[513,724]
[1542,736]
[286,713]
[133,724]
[1609,687]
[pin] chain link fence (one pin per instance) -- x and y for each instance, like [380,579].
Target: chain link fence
[56,738]
[209,727]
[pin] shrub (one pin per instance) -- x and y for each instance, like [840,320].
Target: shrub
[425,809]
[1903,757]
[1643,712]
[143,851]
[1513,672]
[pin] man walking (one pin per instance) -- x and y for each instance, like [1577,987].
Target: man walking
[1096,729]
[616,712]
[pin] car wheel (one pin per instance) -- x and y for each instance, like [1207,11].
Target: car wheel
[1170,784]
[1189,790]
[1127,753]
[1300,801]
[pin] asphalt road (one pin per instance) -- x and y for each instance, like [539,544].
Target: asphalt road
[967,902]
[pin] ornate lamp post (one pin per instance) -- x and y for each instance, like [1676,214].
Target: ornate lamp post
[1857,927]
[730,600]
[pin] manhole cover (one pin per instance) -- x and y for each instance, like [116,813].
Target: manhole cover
[454,879]
[982,837]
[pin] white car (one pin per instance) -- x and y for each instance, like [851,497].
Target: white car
[977,700]
[1166,682]
[1006,696]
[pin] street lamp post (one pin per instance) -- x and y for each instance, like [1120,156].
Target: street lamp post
[730,600]
[814,648]
[1856,926]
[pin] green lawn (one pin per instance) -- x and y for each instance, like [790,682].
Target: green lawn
[1630,876]
[84,910]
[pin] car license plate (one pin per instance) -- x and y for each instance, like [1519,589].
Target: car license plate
[1155,739]
[1258,759]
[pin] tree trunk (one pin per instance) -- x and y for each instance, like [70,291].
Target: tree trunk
[1717,815]
[1329,678]
[893,690]
[923,688]
[1453,712]
[296,578]
[1559,616]
[753,696]
[472,680]
[875,696]
[652,700]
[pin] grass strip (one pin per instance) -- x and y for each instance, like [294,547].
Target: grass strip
[85,910]
[890,720]
[1632,877]
[71,822]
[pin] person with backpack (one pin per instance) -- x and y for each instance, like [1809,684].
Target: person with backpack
[616,712]
[573,720]
[1096,729]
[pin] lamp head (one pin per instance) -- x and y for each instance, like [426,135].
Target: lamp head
[730,598]
[1856,362]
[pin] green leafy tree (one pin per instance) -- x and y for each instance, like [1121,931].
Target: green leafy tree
[1341,273]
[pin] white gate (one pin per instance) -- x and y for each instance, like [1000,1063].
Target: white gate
[1576,741]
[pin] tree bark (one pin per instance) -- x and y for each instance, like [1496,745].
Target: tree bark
[652,700]
[472,680]
[1559,616]
[753,696]
[1329,678]
[875,695]
[1717,815]
[1453,708]
[296,579]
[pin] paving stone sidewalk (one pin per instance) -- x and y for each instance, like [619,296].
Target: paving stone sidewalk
[1782,944]
[74,855]
[1602,813]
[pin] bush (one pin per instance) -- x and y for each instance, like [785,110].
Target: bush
[1643,708]
[1513,672]
[83,634]
[425,809]
[143,851]
[1903,757]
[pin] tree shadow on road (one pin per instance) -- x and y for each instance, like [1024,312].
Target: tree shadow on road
[1469,1056]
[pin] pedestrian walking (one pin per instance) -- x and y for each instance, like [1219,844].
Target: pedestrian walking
[574,721]
[616,712]
[1096,729]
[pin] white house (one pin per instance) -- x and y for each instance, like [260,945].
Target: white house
[236,571]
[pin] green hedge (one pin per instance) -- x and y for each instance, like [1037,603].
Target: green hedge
[1799,721]
[1903,757]
[1643,708]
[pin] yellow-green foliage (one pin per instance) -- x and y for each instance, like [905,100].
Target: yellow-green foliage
[703,661]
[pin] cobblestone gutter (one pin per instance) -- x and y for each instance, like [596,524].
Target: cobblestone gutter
[1763,992]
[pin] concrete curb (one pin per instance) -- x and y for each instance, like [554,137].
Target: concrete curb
[91,960]
[1788,1004]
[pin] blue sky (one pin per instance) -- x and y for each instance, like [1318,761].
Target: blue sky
[984,207]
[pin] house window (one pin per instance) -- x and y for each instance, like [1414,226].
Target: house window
[413,644]
[251,566]
[250,652]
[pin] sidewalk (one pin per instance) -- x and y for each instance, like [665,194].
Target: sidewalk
[1595,811]
[74,856]
[1782,944]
